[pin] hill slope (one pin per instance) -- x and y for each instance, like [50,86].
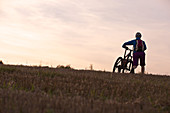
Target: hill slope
[46,90]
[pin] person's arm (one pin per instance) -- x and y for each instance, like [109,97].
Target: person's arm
[128,43]
[144,45]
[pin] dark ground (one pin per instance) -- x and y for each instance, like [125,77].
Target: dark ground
[57,90]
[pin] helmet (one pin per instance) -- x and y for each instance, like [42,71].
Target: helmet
[138,34]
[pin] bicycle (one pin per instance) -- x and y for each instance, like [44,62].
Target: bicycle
[124,64]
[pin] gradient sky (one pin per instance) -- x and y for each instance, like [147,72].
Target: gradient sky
[83,32]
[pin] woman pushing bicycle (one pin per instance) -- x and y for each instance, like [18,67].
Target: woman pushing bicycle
[139,47]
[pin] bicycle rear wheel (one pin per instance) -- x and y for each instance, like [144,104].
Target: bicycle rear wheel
[118,65]
[128,67]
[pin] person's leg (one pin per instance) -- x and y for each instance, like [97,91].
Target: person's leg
[142,62]
[135,62]
[133,69]
[143,69]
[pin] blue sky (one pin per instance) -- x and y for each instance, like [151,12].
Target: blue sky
[83,32]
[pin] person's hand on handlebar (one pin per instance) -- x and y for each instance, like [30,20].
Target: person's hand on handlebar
[126,48]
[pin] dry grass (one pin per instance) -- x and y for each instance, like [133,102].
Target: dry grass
[45,90]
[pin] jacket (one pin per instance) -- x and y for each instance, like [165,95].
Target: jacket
[133,42]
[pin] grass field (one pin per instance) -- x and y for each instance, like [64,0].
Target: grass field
[56,90]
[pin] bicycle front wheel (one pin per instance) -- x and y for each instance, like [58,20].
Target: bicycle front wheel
[117,66]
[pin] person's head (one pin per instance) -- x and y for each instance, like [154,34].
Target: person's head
[138,35]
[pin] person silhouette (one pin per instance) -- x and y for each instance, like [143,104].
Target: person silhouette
[139,48]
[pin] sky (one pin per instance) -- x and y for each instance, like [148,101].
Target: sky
[83,32]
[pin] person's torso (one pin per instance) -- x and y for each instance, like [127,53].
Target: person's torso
[138,45]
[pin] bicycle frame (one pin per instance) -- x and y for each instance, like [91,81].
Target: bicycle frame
[129,55]
[127,58]
[125,63]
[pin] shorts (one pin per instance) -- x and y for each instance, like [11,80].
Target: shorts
[139,56]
